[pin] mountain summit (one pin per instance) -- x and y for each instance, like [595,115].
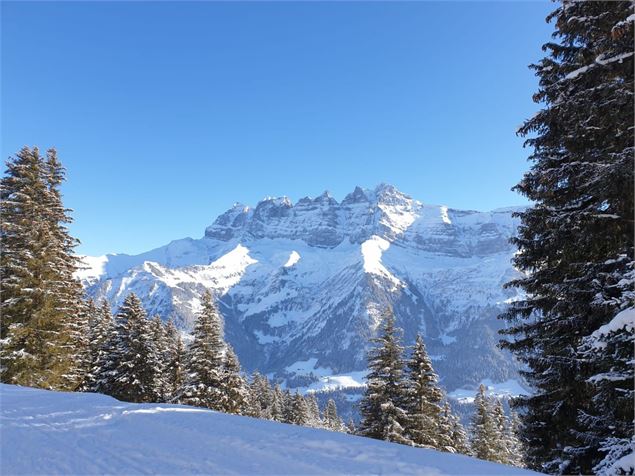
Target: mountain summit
[301,286]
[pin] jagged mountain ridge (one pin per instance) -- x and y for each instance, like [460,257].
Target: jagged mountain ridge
[301,286]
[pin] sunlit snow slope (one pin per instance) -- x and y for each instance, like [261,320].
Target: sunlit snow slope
[301,285]
[73,433]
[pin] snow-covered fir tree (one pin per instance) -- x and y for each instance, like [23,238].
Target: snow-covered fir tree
[234,385]
[64,292]
[299,411]
[383,415]
[42,340]
[576,243]
[277,404]
[331,419]
[174,369]
[260,396]
[314,418]
[204,366]
[131,367]
[422,400]
[101,330]
[160,339]
[500,443]
[514,444]
[611,383]
[483,435]
[454,436]
[287,406]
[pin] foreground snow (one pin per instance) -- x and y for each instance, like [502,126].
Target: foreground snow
[72,433]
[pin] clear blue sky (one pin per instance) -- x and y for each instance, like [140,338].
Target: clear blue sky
[166,113]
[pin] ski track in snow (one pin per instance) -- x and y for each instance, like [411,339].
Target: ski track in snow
[51,433]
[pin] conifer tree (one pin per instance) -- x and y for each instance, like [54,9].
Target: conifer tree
[101,328]
[252,403]
[261,395]
[454,437]
[204,369]
[77,329]
[64,292]
[234,386]
[277,404]
[287,407]
[500,442]
[131,368]
[331,420]
[42,340]
[174,369]
[422,401]
[483,430]
[160,339]
[314,419]
[576,241]
[299,410]
[383,416]
[513,442]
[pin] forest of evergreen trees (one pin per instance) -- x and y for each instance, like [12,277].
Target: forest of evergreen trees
[403,403]
[573,330]
[53,338]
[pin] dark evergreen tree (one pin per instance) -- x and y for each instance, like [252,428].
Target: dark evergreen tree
[64,292]
[234,386]
[383,416]
[331,419]
[131,368]
[299,414]
[453,435]
[287,407]
[160,339]
[607,420]
[513,442]
[483,434]
[576,241]
[500,443]
[101,330]
[42,333]
[277,404]
[174,369]
[261,396]
[204,369]
[314,419]
[423,401]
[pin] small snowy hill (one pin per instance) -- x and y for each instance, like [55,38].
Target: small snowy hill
[73,433]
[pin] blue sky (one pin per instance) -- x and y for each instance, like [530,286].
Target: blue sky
[164,114]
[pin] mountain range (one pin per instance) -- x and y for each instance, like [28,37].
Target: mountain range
[302,286]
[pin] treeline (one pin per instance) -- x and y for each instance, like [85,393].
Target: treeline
[137,359]
[403,403]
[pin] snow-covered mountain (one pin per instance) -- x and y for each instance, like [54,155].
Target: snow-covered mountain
[47,433]
[302,286]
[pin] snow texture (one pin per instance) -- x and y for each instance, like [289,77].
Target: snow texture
[52,433]
[622,320]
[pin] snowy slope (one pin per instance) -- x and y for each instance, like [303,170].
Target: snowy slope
[306,282]
[72,433]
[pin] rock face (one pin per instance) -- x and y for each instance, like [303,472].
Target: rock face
[301,286]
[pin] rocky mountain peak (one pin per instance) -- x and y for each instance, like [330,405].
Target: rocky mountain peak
[301,285]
